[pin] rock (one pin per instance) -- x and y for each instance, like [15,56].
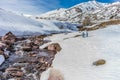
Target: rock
[41,37]
[99,62]
[51,47]
[27,46]
[27,49]
[14,72]
[35,46]
[32,54]
[19,52]
[1,75]
[1,51]
[9,46]
[20,38]
[2,45]
[20,65]
[57,47]
[2,59]
[54,46]
[52,74]
[39,42]
[9,37]
[41,60]
[55,75]
[24,57]
[6,54]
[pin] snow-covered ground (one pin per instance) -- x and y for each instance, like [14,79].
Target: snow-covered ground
[2,59]
[77,55]
[21,25]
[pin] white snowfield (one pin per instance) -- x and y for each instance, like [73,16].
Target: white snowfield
[2,59]
[77,55]
[21,25]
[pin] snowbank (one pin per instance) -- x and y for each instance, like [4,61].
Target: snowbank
[77,55]
[21,25]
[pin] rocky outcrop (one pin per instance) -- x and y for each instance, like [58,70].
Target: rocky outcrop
[101,25]
[22,59]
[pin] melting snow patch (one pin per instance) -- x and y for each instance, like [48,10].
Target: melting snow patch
[2,59]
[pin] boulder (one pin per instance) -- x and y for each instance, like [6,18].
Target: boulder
[54,47]
[9,37]
[99,62]
[15,72]
[57,47]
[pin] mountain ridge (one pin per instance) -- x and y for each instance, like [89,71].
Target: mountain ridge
[77,13]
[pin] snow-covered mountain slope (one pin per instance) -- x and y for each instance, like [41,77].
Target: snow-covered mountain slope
[95,10]
[112,11]
[21,25]
[75,61]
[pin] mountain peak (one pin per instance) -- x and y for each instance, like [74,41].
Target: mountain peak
[93,4]
[95,10]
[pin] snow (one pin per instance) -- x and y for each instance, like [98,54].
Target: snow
[21,25]
[46,75]
[77,55]
[2,59]
[75,14]
[51,13]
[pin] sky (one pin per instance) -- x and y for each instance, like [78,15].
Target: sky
[36,7]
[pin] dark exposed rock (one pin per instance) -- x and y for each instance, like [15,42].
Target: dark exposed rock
[20,38]
[27,48]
